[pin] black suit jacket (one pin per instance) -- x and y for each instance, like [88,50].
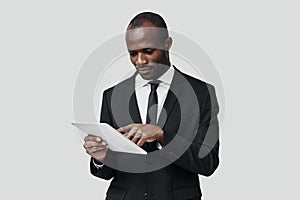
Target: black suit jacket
[178,180]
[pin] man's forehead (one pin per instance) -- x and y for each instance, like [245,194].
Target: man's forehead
[143,37]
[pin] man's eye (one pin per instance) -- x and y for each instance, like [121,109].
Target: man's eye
[132,53]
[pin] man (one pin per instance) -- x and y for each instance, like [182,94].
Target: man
[162,110]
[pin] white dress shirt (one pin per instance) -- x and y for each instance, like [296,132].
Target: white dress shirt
[143,89]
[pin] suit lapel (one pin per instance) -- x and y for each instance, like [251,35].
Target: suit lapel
[171,99]
[134,110]
[133,106]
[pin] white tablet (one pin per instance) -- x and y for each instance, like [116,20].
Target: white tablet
[115,140]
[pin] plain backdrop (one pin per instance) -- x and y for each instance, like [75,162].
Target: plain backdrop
[254,45]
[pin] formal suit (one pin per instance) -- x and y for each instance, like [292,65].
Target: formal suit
[177,180]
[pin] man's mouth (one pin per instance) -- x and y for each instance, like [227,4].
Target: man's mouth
[144,70]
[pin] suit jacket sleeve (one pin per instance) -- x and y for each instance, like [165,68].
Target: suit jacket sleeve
[104,172]
[202,156]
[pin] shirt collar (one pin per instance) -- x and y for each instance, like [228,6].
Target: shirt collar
[166,78]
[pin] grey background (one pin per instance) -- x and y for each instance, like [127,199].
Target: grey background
[254,45]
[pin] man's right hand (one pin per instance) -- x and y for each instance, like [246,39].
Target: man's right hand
[95,147]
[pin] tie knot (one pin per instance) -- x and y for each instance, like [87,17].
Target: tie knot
[154,84]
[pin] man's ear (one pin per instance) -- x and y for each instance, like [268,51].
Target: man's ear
[168,43]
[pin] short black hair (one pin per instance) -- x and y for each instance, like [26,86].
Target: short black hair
[154,18]
[151,17]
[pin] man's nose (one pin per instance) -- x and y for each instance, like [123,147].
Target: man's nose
[141,59]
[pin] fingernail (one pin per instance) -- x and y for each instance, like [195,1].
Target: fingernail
[98,139]
[103,143]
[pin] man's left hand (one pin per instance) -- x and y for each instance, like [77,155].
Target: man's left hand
[141,133]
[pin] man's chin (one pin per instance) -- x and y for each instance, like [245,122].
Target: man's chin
[146,76]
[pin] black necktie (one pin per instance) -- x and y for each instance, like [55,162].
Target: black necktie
[152,113]
[152,104]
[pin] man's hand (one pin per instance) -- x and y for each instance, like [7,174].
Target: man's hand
[95,147]
[141,133]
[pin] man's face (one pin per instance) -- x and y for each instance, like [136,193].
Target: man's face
[147,52]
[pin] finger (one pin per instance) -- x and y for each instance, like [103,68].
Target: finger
[132,132]
[103,143]
[141,142]
[150,139]
[92,138]
[137,136]
[90,144]
[125,134]
[97,149]
[121,130]
[93,149]
[126,128]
